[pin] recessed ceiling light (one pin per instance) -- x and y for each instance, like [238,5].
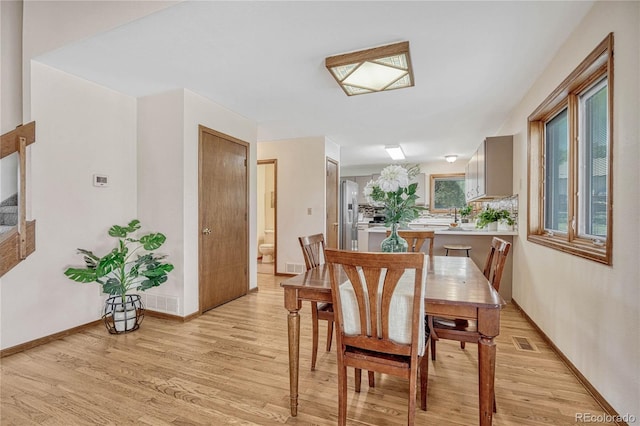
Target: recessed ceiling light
[395,152]
[373,70]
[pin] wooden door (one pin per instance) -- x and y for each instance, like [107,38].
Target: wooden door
[332,204]
[224,208]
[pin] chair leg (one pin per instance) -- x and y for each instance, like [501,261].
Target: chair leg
[424,378]
[433,349]
[495,408]
[461,345]
[329,335]
[358,378]
[413,387]
[342,395]
[372,380]
[314,326]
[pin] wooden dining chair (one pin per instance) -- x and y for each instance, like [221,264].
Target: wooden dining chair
[464,330]
[416,239]
[313,251]
[379,315]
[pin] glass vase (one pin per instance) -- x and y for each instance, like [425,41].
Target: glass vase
[394,243]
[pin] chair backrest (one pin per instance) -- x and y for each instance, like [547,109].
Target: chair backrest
[377,305]
[312,249]
[496,259]
[416,239]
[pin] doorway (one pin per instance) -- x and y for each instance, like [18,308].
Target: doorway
[267,185]
[332,204]
[223,193]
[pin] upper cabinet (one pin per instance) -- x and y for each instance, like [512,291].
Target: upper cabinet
[489,173]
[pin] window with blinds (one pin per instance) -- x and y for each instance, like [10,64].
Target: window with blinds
[570,166]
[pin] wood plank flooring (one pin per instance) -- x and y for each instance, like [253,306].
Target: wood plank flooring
[230,366]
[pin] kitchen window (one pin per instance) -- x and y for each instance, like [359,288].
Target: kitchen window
[570,204]
[447,192]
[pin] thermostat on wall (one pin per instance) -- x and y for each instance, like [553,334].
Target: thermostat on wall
[100,180]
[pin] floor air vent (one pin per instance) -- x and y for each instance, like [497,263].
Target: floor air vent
[524,344]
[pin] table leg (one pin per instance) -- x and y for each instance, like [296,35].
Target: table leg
[486,371]
[292,304]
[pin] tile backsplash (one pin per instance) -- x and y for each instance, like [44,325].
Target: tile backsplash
[508,203]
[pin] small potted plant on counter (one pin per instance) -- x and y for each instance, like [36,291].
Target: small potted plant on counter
[465,212]
[505,222]
[488,218]
[122,270]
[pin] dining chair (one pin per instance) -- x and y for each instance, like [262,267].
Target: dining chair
[464,330]
[416,239]
[313,251]
[378,301]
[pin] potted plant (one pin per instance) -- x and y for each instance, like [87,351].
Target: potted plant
[124,269]
[465,212]
[505,222]
[488,218]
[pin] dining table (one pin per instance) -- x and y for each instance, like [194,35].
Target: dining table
[456,288]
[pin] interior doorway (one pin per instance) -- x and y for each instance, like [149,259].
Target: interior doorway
[331,218]
[267,216]
[223,209]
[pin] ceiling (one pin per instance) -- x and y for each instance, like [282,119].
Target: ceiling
[472,61]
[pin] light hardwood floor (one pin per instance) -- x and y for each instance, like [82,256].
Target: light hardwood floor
[230,366]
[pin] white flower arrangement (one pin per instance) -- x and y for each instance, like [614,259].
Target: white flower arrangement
[393,191]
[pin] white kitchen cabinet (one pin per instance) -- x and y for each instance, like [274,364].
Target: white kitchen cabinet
[489,173]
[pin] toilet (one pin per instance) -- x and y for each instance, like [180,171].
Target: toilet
[266,248]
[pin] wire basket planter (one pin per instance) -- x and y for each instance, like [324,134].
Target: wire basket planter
[122,317]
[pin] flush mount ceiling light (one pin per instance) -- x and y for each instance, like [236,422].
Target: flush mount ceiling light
[373,70]
[395,152]
[450,158]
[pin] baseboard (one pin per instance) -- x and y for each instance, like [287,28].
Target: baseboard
[47,339]
[608,409]
[163,315]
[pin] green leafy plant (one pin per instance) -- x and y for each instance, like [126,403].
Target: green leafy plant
[505,216]
[489,215]
[124,268]
[466,210]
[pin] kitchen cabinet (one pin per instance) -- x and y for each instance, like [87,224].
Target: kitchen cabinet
[489,172]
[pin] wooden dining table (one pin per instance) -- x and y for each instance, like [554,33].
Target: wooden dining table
[455,288]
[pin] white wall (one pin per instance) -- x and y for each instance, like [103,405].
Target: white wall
[591,311]
[53,24]
[82,129]
[168,178]
[301,179]
[11,88]
[161,183]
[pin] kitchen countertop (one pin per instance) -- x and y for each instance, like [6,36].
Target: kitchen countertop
[447,231]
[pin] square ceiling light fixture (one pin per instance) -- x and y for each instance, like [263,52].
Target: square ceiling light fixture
[395,152]
[373,70]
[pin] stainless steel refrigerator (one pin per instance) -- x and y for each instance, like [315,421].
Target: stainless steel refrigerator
[348,215]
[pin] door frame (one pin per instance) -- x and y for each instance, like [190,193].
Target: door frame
[201,130]
[274,161]
[336,201]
